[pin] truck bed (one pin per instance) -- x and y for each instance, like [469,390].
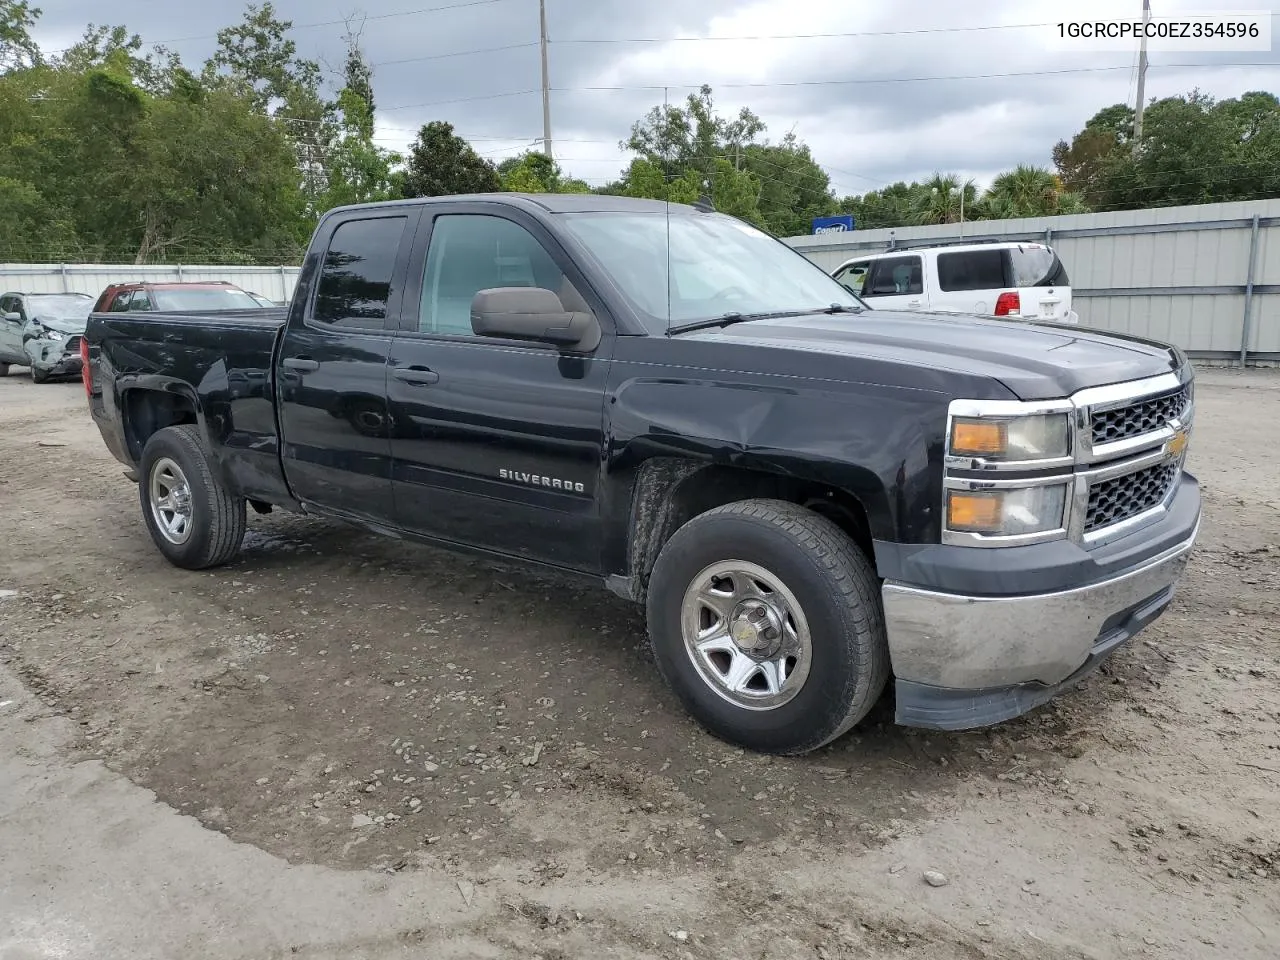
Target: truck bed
[219,363]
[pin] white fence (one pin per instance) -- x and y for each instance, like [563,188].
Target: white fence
[274,283]
[1204,277]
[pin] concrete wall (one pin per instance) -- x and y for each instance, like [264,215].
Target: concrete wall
[1179,274]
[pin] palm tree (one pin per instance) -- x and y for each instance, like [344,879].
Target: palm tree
[1025,191]
[938,199]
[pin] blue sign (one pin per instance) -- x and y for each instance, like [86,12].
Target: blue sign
[839,224]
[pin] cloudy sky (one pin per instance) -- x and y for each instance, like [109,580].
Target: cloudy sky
[880,91]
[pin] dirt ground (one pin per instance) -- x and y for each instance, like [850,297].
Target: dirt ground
[499,749]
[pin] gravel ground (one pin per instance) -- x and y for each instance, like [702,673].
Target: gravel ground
[354,725]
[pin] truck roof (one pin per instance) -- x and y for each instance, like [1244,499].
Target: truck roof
[549,202]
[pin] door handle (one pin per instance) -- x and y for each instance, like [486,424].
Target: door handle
[417,375]
[304,364]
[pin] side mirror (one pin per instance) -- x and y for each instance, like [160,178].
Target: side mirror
[13,317]
[532,313]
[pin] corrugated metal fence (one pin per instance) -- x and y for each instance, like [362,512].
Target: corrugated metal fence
[275,283]
[1204,277]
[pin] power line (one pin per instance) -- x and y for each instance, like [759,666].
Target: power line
[874,80]
[828,82]
[462,5]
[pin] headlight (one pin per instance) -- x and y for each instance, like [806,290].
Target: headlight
[1041,437]
[1007,512]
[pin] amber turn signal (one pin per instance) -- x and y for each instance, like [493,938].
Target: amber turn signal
[979,438]
[974,512]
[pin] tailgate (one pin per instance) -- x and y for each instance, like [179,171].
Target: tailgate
[1046,303]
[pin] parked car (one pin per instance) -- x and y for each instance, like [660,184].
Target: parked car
[804,494]
[175,297]
[263,301]
[42,331]
[1002,279]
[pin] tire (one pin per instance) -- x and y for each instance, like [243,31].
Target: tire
[39,376]
[808,563]
[174,459]
[4,369]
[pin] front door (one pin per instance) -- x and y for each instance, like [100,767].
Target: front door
[895,283]
[497,443]
[331,378]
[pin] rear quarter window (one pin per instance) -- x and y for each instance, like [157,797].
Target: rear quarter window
[1037,267]
[972,270]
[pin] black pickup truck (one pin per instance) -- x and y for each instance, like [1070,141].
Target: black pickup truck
[808,495]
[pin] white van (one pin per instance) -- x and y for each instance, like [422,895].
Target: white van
[1003,279]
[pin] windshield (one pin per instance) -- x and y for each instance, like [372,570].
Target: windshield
[59,307]
[719,265]
[206,298]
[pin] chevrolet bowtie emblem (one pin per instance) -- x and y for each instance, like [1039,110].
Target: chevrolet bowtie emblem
[1177,443]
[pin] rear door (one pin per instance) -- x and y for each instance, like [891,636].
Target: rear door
[1042,283]
[331,374]
[895,283]
[498,443]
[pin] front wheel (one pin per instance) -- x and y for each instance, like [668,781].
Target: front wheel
[39,376]
[766,620]
[4,369]
[193,519]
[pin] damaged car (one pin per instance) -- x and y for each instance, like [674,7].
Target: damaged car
[43,331]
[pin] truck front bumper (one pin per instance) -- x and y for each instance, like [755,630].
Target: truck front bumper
[963,660]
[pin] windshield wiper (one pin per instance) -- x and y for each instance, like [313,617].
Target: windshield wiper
[733,317]
[840,308]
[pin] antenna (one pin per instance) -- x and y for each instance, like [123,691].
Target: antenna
[1142,76]
[666,197]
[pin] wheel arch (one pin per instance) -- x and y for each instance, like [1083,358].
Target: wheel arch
[670,491]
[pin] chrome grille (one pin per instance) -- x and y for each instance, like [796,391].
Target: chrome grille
[1117,499]
[73,345]
[1135,419]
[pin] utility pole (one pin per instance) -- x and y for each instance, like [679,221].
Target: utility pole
[1142,76]
[546,83]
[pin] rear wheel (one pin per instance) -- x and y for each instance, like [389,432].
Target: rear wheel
[765,618]
[4,369]
[193,519]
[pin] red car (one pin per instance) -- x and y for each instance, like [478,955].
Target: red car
[175,297]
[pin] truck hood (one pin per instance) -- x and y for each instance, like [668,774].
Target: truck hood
[1036,361]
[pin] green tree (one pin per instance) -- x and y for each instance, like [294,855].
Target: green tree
[938,199]
[1028,191]
[891,206]
[222,183]
[793,189]
[357,170]
[259,59]
[726,157]
[17,48]
[534,172]
[441,163]
[1193,150]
